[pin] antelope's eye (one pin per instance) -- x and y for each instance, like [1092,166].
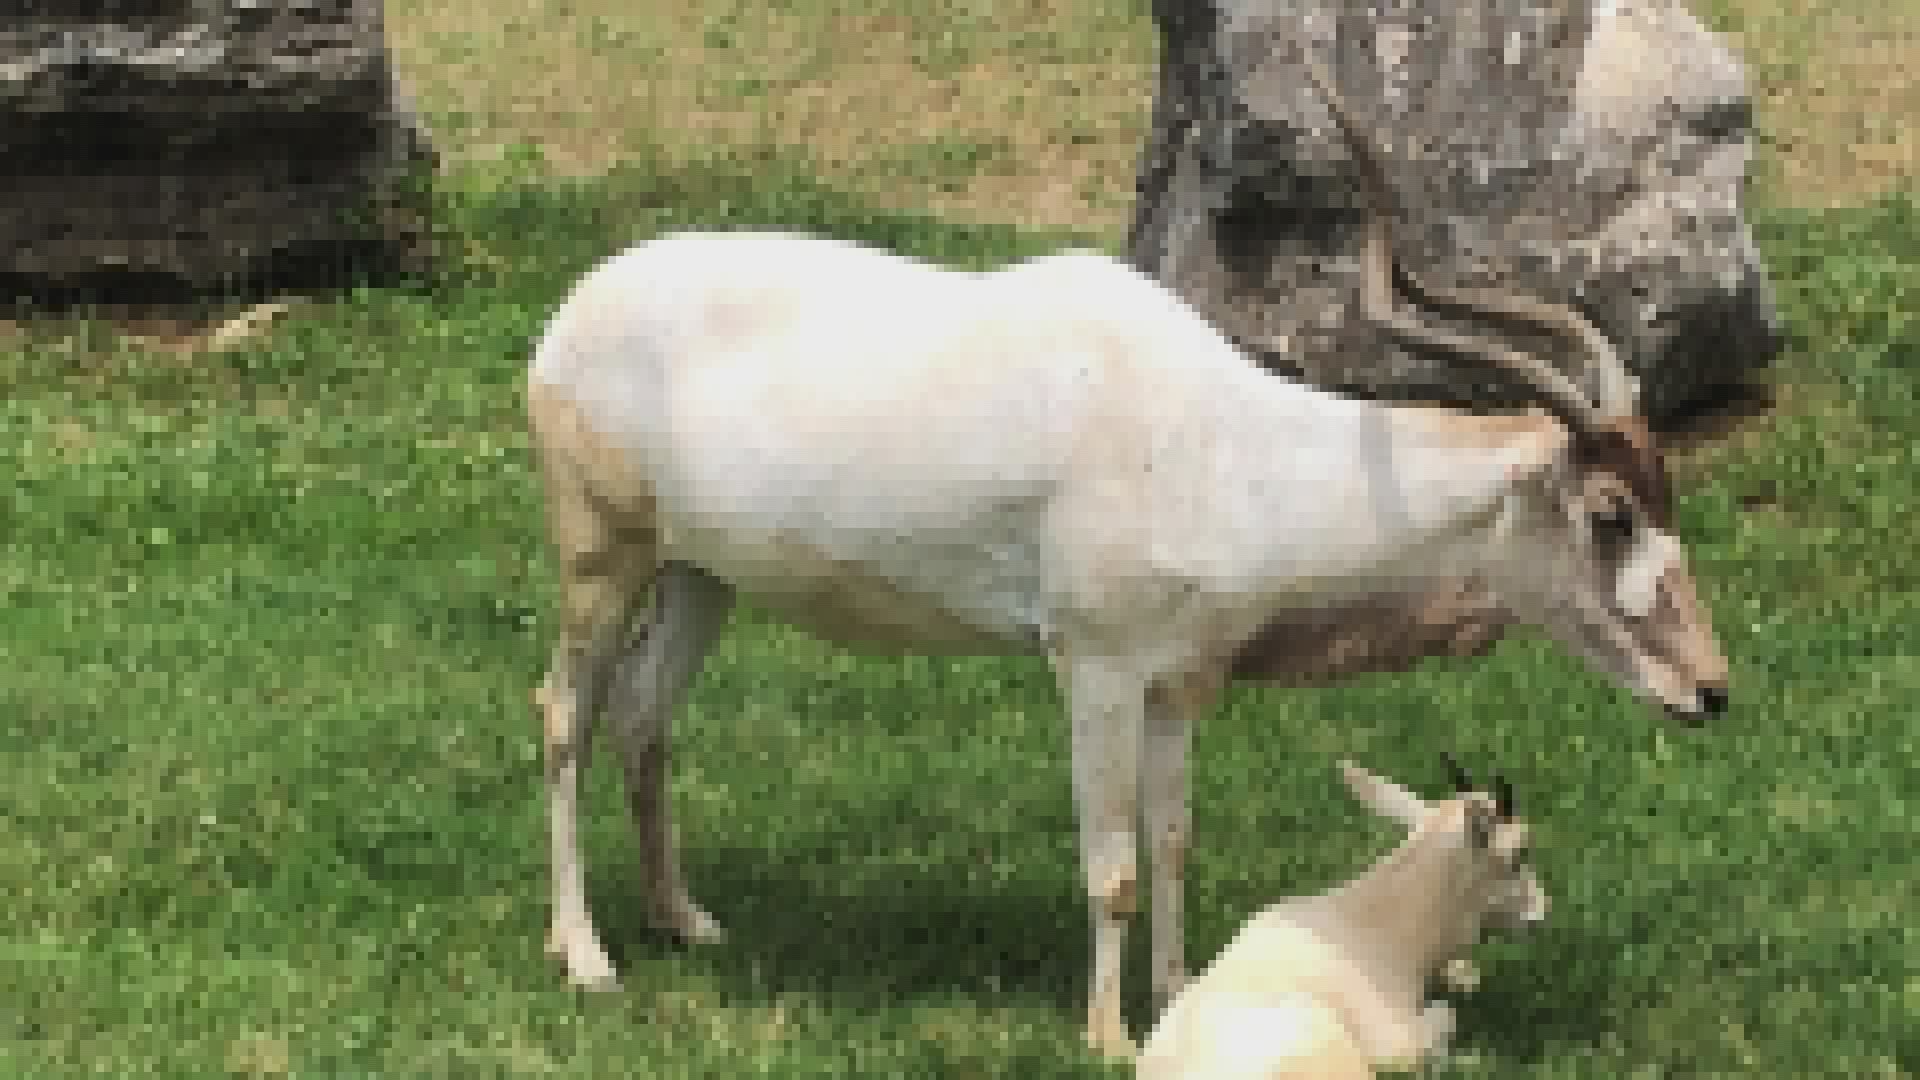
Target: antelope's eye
[1612,525]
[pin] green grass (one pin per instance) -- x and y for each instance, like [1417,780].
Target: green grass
[271,785]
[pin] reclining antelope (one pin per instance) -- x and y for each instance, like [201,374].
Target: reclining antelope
[1331,986]
[1057,458]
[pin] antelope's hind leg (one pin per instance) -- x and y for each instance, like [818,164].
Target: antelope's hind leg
[597,600]
[605,563]
[651,678]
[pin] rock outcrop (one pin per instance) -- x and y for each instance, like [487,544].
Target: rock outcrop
[200,144]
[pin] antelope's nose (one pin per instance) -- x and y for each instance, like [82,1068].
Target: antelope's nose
[1713,700]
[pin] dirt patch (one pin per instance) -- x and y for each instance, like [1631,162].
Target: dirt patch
[1848,126]
[1024,112]
[1833,86]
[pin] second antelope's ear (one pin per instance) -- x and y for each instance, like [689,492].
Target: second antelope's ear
[1383,796]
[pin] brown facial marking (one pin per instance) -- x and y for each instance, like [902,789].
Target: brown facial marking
[1628,449]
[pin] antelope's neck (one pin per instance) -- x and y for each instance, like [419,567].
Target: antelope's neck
[1328,489]
[1410,913]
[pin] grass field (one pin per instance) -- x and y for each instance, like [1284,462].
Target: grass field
[271,787]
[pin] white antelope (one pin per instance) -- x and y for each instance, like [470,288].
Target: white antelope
[1058,458]
[1331,986]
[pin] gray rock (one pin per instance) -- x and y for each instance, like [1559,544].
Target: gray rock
[206,142]
[1585,151]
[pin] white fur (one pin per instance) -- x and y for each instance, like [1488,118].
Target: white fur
[1334,985]
[1060,457]
[1655,552]
[1063,440]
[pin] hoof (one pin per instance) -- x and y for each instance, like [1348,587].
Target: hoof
[693,926]
[586,963]
[708,933]
[702,931]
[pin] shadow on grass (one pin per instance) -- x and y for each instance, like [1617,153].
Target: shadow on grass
[937,936]
[1533,1001]
[931,935]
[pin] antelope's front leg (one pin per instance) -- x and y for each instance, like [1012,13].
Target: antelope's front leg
[1174,706]
[1107,704]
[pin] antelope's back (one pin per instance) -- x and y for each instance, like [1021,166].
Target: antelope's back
[685,296]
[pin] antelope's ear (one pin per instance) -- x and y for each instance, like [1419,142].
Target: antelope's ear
[1383,796]
[1534,446]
